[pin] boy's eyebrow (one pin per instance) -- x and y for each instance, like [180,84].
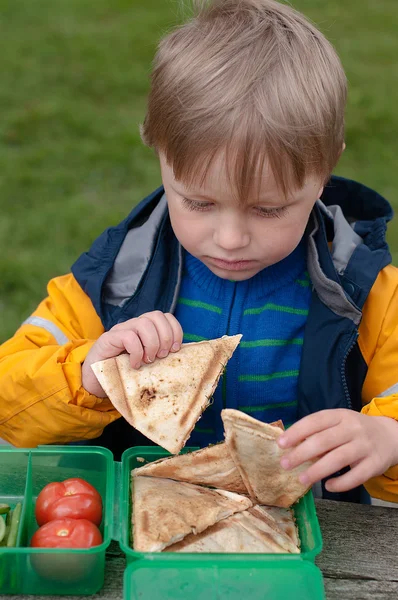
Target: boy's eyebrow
[199,195]
[271,200]
[266,200]
[191,193]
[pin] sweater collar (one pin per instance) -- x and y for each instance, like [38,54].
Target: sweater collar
[261,285]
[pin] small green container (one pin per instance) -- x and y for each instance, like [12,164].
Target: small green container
[23,474]
[149,576]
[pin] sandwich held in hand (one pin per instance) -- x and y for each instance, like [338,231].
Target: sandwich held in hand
[212,466]
[254,449]
[165,399]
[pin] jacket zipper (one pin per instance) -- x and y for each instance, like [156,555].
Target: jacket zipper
[224,376]
[343,375]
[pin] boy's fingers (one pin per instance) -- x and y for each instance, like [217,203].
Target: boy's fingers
[330,463]
[178,333]
[148,334]
[160,333]
[115,342]
[314,446]
[356,476]
[108,345]
[309,426]
[165,332]
[133,346]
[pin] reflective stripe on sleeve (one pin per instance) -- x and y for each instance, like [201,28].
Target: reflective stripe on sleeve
[48,326]
[391,390]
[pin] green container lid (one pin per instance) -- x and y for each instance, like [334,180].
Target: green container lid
[265,579]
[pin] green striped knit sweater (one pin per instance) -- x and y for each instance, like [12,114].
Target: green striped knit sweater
[270,311]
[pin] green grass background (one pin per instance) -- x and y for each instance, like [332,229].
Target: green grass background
[74,76]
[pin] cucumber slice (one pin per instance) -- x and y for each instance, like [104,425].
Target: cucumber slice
[16,516]
[4,509]
[2,529]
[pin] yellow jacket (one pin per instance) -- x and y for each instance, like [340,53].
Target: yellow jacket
[42,400]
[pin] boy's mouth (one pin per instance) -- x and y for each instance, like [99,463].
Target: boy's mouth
[232,265]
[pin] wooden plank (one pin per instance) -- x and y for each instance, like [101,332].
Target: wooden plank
[114,571]
[357,589]
[359,541]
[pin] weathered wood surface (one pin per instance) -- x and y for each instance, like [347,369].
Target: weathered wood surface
[359,560]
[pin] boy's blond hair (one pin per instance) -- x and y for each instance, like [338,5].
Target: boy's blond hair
[253,78]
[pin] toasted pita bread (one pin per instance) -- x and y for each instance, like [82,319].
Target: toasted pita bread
[283,525]
[279,424]
[165,399]
[212,466]
[284,518]
[166,511]
[253,446]
[242,532]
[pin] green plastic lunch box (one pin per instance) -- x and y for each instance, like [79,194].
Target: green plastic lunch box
[148,576]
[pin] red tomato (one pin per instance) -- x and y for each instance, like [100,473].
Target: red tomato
[67,533]
[70,499]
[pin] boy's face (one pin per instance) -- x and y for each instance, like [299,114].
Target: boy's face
[235,241]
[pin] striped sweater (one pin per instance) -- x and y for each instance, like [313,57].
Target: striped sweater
[270,311]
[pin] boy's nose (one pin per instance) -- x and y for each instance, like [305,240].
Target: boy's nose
[231,237]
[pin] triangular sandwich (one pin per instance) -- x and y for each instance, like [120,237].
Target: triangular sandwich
[246,532]
[283,523]
[166,511]
[165,399]
[211,466]
[253,446]
[284,519]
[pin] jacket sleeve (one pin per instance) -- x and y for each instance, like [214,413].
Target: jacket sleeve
[42,400]
[379,346]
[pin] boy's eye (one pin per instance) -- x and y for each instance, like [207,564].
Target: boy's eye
[196,205]
[271,212]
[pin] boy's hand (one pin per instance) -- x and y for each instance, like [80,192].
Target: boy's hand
[339,438]
[144,338]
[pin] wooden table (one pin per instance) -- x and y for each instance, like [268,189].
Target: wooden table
[359,560]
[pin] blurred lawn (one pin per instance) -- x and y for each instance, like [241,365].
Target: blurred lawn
[74,75]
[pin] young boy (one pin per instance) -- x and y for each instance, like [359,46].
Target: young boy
[246,114]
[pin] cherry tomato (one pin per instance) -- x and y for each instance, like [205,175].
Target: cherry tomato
[67,533]
[70,499]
